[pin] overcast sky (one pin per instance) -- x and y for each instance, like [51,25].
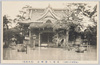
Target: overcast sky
[12,8]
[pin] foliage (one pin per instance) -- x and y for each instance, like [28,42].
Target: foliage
[23,17]
[9,33]
[6,35]
[91,34]
[6,21]
[74,15]
[23,14]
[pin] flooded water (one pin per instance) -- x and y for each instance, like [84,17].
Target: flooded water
[45,53]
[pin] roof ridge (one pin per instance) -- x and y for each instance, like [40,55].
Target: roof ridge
[45,8]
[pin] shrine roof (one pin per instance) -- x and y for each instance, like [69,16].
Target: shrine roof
[37,14]
[47,25]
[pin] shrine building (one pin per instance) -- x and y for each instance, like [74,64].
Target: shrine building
[45,26]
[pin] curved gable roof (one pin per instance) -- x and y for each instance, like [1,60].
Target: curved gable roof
[49,13]
[41,14]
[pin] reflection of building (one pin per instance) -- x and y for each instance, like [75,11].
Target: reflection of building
[46,24]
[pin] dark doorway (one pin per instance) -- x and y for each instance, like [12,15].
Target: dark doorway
[46,38]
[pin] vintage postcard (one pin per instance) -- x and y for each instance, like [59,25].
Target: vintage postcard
[50,32]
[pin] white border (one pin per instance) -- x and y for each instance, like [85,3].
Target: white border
[61,62]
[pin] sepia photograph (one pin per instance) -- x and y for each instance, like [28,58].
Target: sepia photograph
[50,32]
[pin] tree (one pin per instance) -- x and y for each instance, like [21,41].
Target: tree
[6,35]
[6,21]
[24,14]
[75,15]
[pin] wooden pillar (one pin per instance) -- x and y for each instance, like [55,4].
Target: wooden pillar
[39,39]
[66,39]
[34,44]
[30,41]
[34,40]
[48,41]
[57,40]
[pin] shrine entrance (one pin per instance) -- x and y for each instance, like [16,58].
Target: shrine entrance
[46,38]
